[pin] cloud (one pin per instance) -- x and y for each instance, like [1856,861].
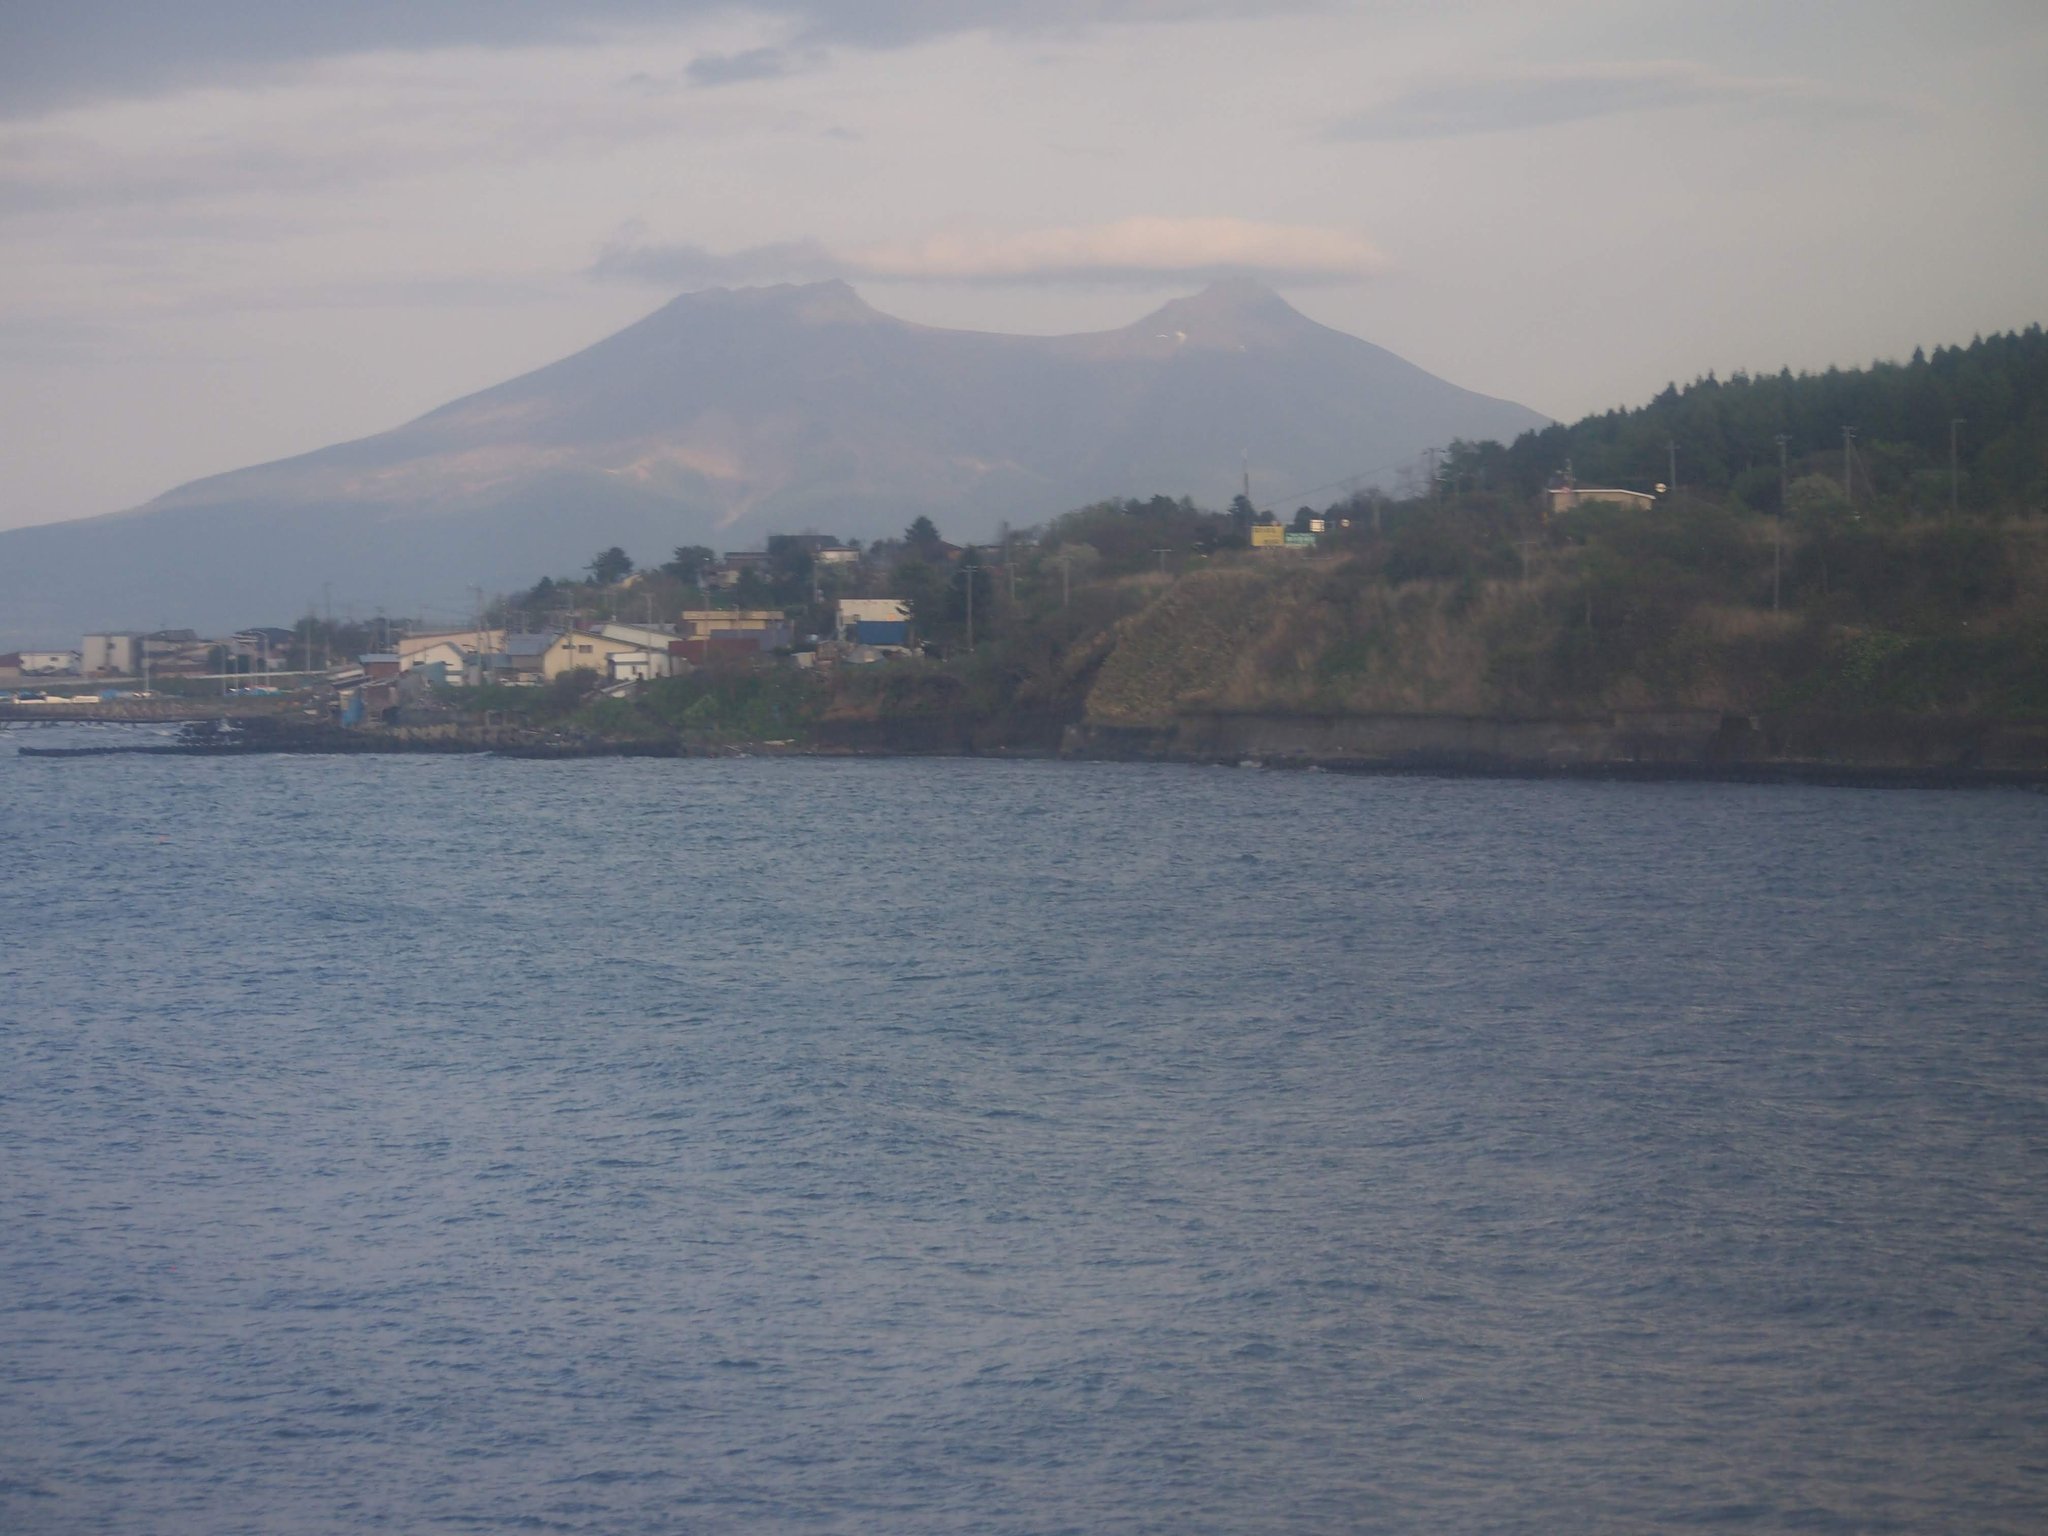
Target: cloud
[1137,250]
[733,68]
[630,259]
[1542,98]
[1140,249]
[56,52]
[54,340]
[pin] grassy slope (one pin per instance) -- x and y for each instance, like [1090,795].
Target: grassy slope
[1917,620]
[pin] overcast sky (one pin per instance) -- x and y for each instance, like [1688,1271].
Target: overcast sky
[234,230]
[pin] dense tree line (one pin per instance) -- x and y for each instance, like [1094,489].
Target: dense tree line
[1724,433]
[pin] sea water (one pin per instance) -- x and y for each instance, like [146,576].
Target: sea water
[457,1144]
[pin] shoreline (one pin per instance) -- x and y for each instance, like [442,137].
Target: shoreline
[1079,743]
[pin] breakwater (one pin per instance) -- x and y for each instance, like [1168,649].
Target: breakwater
[156,711]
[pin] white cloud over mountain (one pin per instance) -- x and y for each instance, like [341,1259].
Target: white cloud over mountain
[1134,250]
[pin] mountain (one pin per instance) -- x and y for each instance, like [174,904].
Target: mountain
[733,413]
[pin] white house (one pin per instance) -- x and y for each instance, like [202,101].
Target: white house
[439,644]
[636,666]
[651,656]
[443,649]
[116,653]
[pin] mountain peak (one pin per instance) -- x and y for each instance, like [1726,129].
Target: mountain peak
[1238,292]
[1233,313]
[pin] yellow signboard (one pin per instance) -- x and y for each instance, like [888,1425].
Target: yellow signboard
[1268,536]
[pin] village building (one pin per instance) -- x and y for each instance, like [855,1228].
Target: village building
[518,661]
[118,654]
[174,652]
[656,636]
[1564,493]
[765,629]
[1564,498]
[639,666]
[737,562]
[658,653]
[441,651]
[584,649]
[262,649]
[873,621]
[440,644]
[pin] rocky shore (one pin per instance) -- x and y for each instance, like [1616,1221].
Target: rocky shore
[1645,745]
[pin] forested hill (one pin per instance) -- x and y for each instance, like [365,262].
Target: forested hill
[1726,431]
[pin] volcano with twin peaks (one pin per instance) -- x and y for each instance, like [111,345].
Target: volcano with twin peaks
[730,414]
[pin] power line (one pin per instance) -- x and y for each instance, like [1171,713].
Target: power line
[1778,523]
[1955,478]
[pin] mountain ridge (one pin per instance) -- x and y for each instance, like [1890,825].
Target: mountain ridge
[729,413]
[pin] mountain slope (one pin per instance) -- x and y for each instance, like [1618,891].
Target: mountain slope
[728,414]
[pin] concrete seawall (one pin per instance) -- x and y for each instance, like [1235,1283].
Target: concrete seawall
[1647,743]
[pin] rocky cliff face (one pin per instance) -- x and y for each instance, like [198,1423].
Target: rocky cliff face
[729,414]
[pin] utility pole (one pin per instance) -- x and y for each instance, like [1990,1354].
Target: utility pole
[1955,477]
[1247,460]
[1671,447]
[1430,453]
[1848,465]
[1066,579]
[1778,523]
[1162,554]
[969,571]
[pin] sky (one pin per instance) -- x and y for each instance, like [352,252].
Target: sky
[236,230]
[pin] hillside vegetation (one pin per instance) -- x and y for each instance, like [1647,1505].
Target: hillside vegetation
[1618,610]
[1913,588]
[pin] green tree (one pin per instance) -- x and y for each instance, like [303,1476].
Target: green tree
[568,689]
[923,537]
[924,589]
[690,564]
[610,567]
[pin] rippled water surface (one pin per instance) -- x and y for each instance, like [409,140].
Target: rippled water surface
[464,1145]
